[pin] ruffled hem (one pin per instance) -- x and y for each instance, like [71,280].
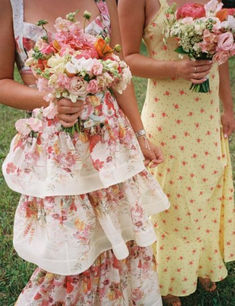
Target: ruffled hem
[108,281]
[103,245]
[45,160]
[64,235]
[71,185]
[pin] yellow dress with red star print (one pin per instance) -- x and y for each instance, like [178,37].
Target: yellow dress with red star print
[195,235]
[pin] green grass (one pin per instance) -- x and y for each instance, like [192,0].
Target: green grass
[14,272]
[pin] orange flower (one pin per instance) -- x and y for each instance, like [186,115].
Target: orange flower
[56,45]
[102,48]
[223,14]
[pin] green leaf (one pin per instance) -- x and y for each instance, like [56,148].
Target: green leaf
[87,77]
[180,50]
[42,22]
[45,38]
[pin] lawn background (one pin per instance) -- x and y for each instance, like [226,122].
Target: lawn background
[14,272]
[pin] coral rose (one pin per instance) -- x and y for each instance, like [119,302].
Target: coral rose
[194,10]
[224,13]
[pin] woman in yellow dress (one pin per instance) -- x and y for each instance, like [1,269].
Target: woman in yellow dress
[195,234]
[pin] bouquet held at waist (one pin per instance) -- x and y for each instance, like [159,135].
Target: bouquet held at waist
[78,66]
[203,32]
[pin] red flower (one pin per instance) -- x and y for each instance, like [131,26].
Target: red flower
[194,10]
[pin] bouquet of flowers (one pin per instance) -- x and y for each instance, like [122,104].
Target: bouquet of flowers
[75,65]
[202,32]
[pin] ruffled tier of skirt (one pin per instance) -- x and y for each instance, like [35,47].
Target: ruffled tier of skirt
[132,281]
[65,234]
[45,160]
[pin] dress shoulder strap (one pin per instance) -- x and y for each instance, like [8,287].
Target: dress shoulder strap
[18,15]
[163,2]
[102,6]
[104,12]
[18,23]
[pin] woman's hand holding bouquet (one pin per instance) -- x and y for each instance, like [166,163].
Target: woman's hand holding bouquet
[203,32]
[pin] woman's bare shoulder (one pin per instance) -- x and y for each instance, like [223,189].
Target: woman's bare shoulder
[5,7]
[7,48]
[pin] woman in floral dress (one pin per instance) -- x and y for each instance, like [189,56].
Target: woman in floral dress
[86,197]
[195,235]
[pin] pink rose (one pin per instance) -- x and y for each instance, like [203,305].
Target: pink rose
[209,42]
[78,87]
[194,10]
[92,87]
[97,68]
[225,42]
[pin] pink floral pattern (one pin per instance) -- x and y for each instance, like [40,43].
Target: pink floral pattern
[195,235]
[86,200]
[107,282]
[86,224]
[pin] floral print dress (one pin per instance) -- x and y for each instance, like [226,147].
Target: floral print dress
[83,214]
[196,235]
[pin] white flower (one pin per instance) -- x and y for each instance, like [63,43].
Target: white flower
[105,80]
[70,67]
[124,81]
[57,63]
[187,20]
[229,24]
[212,7]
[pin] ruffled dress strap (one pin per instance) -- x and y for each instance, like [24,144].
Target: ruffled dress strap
[104,13]
[18,26]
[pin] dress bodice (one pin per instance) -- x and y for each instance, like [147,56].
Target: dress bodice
[153,36]
[27,33]
[158,50]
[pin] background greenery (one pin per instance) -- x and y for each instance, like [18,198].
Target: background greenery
[14,272]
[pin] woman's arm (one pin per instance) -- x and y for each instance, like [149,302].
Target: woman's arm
[132,21]
[12,93]
[127,100]
[228,120]
[17,95]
